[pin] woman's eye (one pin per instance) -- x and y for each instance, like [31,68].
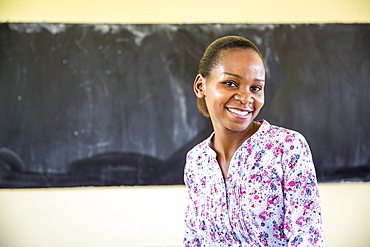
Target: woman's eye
[256,88]
[230,83]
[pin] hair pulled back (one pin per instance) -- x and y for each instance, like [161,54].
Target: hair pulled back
[211,57]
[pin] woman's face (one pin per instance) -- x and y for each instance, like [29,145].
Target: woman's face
[234,92]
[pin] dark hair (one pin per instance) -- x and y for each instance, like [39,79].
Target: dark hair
[211,56]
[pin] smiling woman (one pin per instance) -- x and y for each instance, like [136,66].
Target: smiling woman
[238,82]
[249,183]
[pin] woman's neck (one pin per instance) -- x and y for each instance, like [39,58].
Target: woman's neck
[226,142]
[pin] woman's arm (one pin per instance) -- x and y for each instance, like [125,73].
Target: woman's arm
[191,236]
[303,219]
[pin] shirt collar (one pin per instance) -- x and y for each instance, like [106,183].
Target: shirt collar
[262,129]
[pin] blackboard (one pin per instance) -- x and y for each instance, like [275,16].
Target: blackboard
[109,104]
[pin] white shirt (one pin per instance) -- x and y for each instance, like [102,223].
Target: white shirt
[270,197]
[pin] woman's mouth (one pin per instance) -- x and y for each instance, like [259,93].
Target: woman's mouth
[239,113]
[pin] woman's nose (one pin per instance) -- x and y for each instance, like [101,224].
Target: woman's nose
[243,97]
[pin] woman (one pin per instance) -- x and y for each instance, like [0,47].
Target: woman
[250,183]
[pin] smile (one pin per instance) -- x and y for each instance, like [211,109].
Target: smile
[239,112]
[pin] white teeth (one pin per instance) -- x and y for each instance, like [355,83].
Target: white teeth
[243,113]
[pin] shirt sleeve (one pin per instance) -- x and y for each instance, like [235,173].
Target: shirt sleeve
[191,237]
[302,219]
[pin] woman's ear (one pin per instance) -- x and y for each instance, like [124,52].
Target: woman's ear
[200,86]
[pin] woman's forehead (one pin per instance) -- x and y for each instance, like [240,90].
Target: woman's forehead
[235,59]
[238,52]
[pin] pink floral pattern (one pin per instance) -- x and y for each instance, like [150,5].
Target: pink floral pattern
[270,197]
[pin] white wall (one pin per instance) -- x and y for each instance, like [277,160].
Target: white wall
[147,216]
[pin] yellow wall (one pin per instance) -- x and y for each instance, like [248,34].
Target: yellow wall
[153,216]
[185,11]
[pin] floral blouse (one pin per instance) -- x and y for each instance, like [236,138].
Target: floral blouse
[269,198]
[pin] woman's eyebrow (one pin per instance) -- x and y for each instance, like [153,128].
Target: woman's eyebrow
[260,80]
[235,75]
[240,77]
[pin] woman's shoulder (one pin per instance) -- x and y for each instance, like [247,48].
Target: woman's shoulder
[270,131]
[272,137]
[201,148]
